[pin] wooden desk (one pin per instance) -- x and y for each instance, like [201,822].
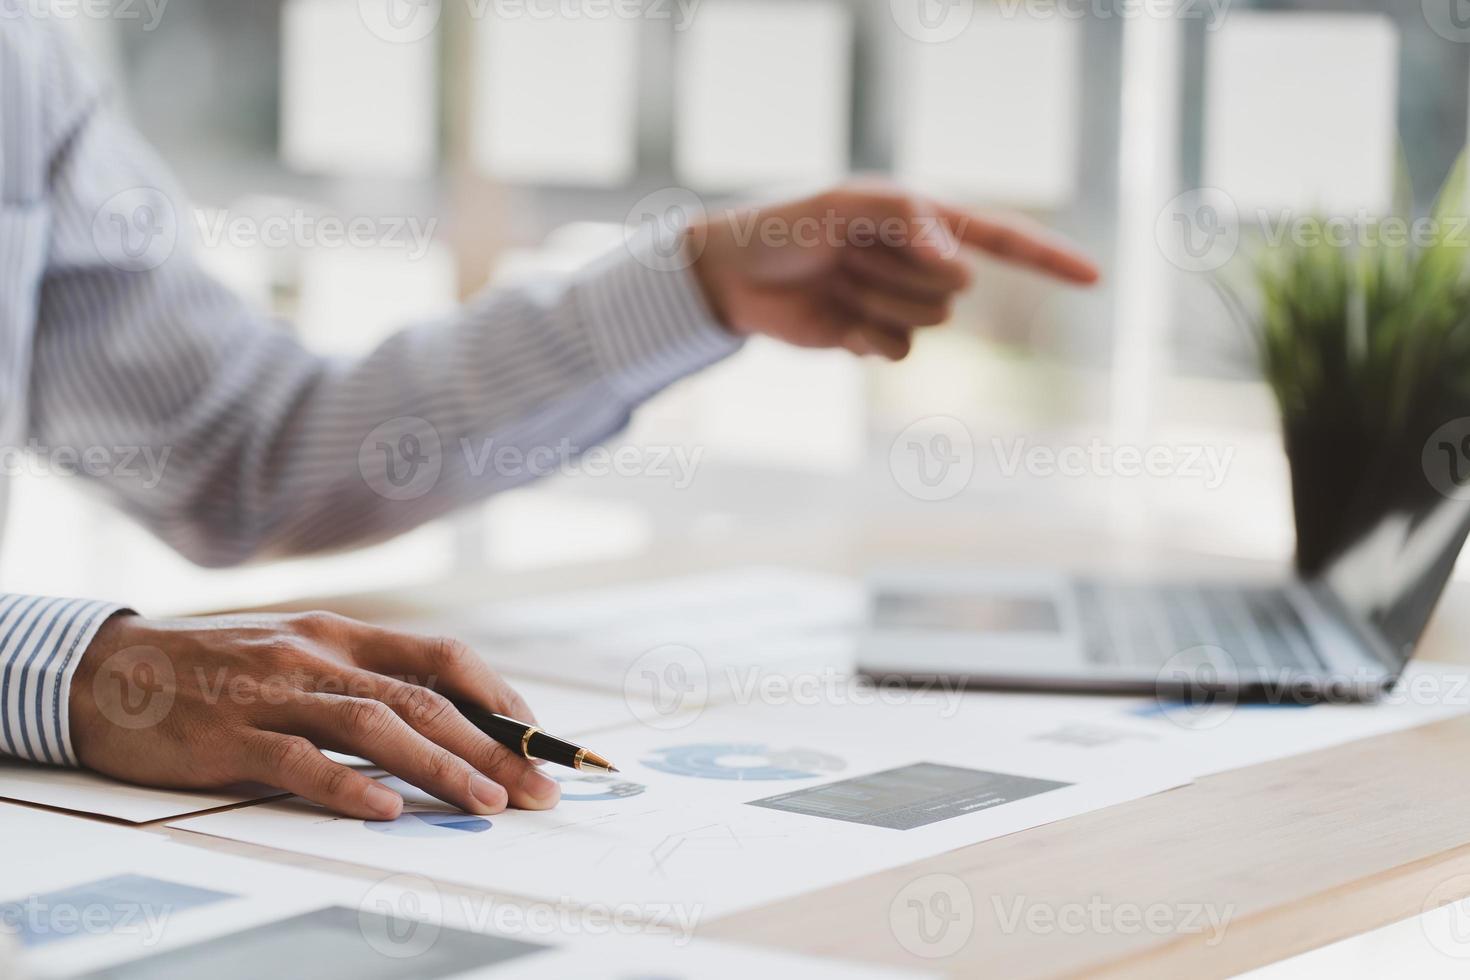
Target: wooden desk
[1300,852]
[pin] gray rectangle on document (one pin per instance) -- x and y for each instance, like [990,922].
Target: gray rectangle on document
[910,796]
[329,942]
[122,902]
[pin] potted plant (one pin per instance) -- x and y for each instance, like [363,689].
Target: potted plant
[1364,340]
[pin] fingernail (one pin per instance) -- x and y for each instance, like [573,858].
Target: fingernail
[541,788]
[382,801]
[488,793]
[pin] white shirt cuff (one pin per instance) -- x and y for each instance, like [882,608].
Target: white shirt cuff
[41,643]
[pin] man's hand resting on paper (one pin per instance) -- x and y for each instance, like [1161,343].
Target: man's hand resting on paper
[859,267]
[203,703]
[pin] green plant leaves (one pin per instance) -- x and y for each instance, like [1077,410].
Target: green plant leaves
[1365,326]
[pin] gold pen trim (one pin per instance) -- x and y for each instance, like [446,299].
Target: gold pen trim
[589,761]
[526,741]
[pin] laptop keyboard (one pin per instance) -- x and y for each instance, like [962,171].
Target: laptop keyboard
[1151,625]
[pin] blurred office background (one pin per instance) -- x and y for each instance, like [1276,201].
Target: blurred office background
[529,131]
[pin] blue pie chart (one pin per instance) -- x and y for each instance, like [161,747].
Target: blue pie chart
[433,823]
[742,761]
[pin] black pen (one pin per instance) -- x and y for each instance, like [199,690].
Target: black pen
[532,743]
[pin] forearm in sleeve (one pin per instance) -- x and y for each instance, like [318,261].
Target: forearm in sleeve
[41,639]
[261,448]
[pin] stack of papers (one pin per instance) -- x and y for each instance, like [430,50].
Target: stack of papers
[606,638]
[744,805]
[755,766]
[127,905]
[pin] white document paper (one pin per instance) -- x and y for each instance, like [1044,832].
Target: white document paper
[697,961]
[1211,739]
[742,806]
[607,638]
[1201,741]
[141,906]
[77,894]
[88,792]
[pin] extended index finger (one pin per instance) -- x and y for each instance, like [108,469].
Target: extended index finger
[1033,248]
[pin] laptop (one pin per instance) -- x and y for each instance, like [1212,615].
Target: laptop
[1343,634]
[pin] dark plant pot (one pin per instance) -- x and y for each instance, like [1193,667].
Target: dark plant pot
[1345,480]
[1322,462]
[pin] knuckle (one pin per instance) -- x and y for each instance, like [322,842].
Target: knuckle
[422,706]
[835,198]
[317,622]
[365,719]
[503,696]
[897,201]
[447,654]
[516,704]
[281,653]
[334,781]
[289,754]
[876,189]
[1009,242]
[498,758]
[507,698]
[441,766]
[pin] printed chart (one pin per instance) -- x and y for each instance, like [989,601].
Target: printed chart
[744,761]
[710,817]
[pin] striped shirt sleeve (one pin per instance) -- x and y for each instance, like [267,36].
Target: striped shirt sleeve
[240,443]
[40,640]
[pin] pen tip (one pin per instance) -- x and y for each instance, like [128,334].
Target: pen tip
[594,762]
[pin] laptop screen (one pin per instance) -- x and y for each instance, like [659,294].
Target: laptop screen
[1390,574]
